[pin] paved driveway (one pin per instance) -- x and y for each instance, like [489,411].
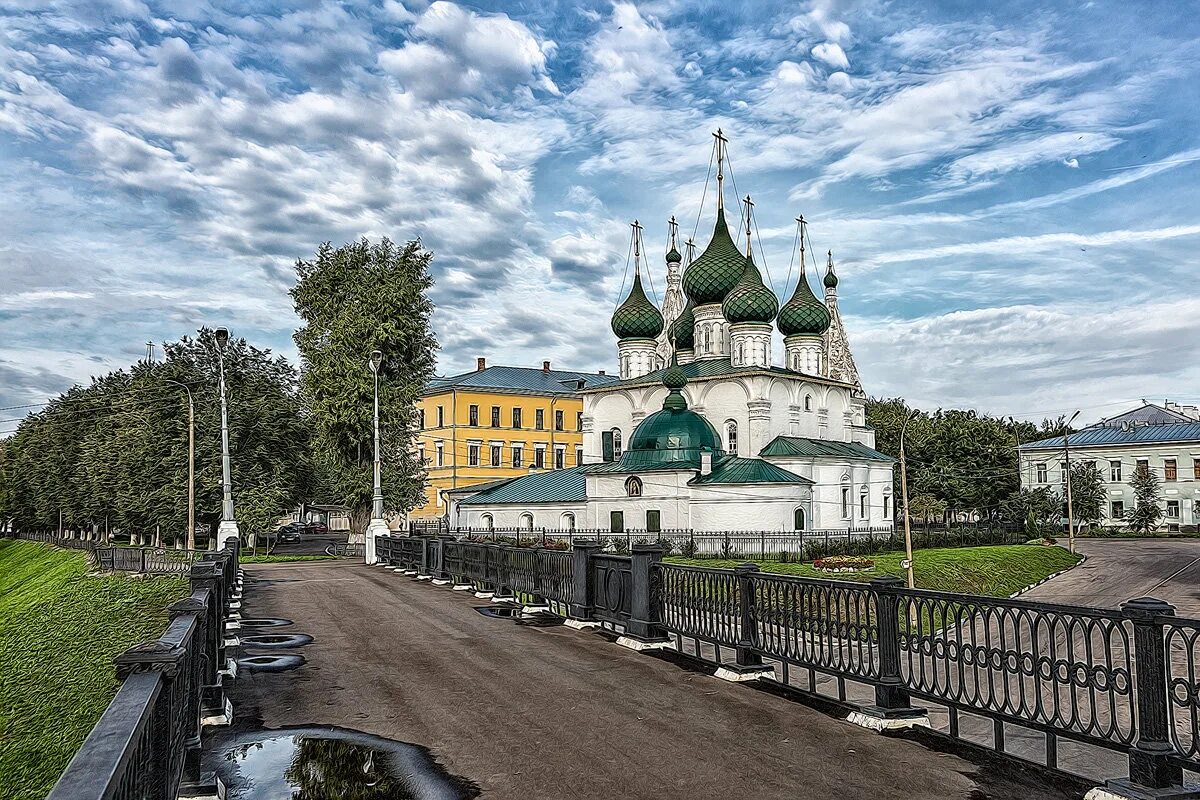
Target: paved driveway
[1117,570]
[528,712]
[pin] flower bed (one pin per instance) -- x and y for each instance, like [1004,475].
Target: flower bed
[844,564]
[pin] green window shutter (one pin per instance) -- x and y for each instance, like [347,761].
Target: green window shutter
[606,445]
[653,521]
[616,521]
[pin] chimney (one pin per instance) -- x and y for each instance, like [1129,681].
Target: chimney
[546,366]
[705,462]
[602,372]
[480,364]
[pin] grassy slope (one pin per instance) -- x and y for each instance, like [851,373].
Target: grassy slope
[59,631]
[995,571]
[280,559]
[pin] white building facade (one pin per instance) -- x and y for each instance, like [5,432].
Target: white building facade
[1162,438]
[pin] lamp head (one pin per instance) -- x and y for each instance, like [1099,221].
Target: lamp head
[222,335]
[376,360]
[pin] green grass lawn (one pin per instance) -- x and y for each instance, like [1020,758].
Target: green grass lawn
[59,631]
[996,571]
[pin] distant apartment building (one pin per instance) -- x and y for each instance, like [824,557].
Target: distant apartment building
[1162,438]
[497,423]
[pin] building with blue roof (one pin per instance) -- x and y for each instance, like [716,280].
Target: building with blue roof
[1164,439]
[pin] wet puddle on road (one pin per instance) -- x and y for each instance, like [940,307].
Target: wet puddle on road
[536,619]
[277,640]
[270,663]
[266,622]
[326,762]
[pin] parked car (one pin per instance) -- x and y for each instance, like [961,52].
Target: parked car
[288,535]
[316,527]
[291,527]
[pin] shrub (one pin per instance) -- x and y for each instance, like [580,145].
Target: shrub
[689,549]
[843,564]
[666,544]
[619,545]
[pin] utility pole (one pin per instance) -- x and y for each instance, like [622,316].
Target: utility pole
[1067,478]
[908,554]
[228,529]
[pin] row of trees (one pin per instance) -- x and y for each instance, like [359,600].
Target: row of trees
[963,462]
[112,454]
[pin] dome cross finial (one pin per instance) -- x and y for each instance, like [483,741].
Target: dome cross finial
[721,143]
[637,247]
[749,207]
[803,230]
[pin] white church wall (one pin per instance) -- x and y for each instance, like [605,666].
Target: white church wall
[769,507]
[665,492]
[831,476]
[540,515]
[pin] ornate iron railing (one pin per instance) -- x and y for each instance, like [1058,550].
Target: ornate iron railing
[146,743]
[148,560]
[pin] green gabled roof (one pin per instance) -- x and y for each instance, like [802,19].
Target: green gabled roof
[717,270]
[481,487]
[637,318]
[554,486]
[821,448]
[750,300]
[748,470]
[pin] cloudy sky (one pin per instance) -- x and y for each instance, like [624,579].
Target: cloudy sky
[1010,195]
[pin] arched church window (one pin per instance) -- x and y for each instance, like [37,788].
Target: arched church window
[527,522]
[741,352]
[798,519]
[486,522]
[731,437]
[616,439]
[808,402]
[568,521]
[845,502]
[633,486]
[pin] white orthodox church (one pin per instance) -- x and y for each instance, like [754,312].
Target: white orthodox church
[704,431]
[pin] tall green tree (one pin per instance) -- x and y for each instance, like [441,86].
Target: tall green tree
[113,454]
[1146,513]
[353,299]
[1087,493]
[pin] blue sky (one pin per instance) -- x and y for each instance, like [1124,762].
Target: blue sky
[1009,194]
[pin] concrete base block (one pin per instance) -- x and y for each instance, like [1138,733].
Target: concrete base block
[229,670]
[233,641]
[440,582]
[483,595]
[236,616]
[412,573]
[462,587]
[736,674]
[219,720]
[402,571]
[232,625]
[642,644]
[878,720]
[421,577]
[1124,789]
[581,625]
[529,611]
[512,601]
[235,605]
[209,787]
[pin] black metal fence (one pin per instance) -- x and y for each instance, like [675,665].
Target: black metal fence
[109,558]
[1126,681]
[147,742]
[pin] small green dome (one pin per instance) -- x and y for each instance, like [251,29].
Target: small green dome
[750,300]
[804,314]
[637,318]
[675,434]
[683,329]
[831,280]
[673,256]
[717,270]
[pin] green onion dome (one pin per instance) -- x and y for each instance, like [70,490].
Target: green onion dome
[683,329]
[804,314]
[717,270]
[673,256]
[750,300]
[675,434]
[637,318]
[831,280]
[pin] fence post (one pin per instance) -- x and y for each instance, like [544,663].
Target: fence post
[645,629]
[142,561]
[425,567]
[893,708]
[748,665]
[442,575]
[1150,766]
[157,656]
[582,593]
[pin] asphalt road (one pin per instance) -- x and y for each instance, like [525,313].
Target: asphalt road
[528,712]
[1117,570]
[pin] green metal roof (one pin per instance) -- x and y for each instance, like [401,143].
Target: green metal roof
[717,270]
[637,318]
[683,329]
[480,487]
[831,278]
[821,448]
[714,368]
[750,300]
[554,486]
[520,379]
[748,470]
[804,313]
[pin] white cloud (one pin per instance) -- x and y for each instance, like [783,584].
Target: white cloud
[1026,152]
[832,54]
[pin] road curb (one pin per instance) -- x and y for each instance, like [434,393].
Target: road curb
[1082,560]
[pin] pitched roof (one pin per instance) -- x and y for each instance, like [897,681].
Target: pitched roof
[821,448]
[480,487]
[521,379]
[713,368]
[555,486]
[1148,414]
[1099,435]
[748,470]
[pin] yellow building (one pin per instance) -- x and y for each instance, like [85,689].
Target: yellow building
[498,422]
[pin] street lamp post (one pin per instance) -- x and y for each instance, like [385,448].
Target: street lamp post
[191,516]
[228,529]
[378,525]
[1067,478]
